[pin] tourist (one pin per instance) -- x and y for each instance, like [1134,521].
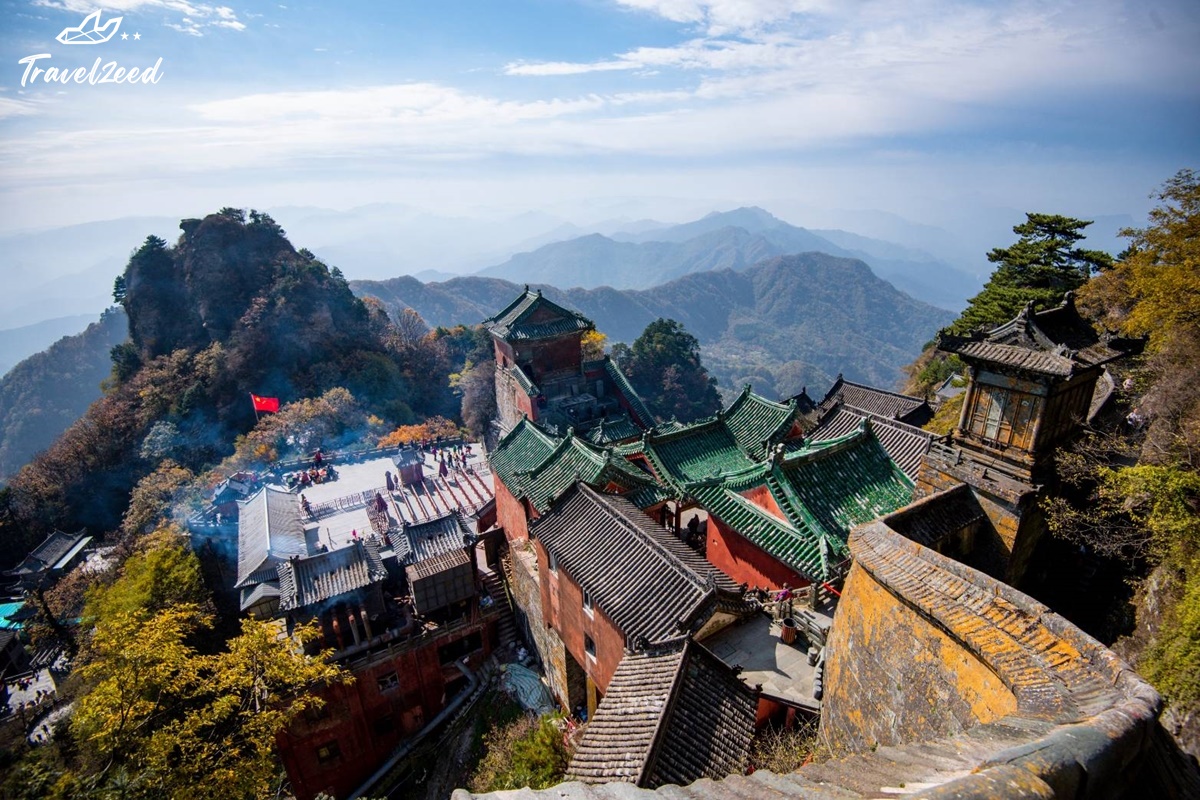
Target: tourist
[391,483]
[693,527]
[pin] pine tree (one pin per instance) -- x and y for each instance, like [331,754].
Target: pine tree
[1042,266]
[664,367]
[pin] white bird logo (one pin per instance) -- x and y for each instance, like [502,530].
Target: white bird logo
[90,31]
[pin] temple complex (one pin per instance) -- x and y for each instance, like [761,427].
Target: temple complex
[642,563]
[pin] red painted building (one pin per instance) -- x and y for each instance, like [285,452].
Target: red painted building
[541,374]
[615,581]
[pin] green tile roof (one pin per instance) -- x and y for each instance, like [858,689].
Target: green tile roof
[515,321]
[613,429]
[823,490]
[755,421]
[844,482]
[523,448]
[540,467]
[636,404]
[699,451]
[801,548]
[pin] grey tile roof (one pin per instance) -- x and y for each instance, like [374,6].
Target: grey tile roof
[532,316]
[932,519]
[1054,342]
[673,714]
[305,581]
[431,539]
[905,444]
[252,594]
[270,530]
[880,402]
[641,576]
[54,549]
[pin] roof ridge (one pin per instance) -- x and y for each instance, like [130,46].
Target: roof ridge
[660,726]
[890,422]
[883,391]
[817,451]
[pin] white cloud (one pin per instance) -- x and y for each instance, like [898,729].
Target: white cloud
[727,16]
[544,68]
[11,107]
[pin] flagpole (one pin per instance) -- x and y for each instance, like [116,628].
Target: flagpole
[254,406]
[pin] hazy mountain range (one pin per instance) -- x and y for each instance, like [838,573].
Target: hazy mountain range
[68,271]
[727,240]
[781,324]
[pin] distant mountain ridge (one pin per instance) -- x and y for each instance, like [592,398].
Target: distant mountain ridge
[726,240]
[781,324]
[43,394]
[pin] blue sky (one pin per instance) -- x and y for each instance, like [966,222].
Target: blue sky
[928,109]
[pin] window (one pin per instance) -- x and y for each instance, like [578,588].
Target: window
[589,646]
[388,681]
[328,752]
[1004,417]
[552,561]
[588,603]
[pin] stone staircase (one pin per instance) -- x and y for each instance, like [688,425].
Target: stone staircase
[497,587]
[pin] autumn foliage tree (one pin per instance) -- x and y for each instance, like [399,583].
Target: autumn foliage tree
[1138,489]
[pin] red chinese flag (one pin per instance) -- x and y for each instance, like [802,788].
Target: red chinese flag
[265,403]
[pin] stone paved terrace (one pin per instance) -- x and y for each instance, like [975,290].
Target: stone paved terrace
[781,669]
[341,505]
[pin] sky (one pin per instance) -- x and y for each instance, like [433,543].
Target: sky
[928,109]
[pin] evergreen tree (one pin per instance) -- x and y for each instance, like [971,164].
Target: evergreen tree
[664,367]
[1041,266]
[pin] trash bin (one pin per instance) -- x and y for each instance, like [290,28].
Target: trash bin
[787,630]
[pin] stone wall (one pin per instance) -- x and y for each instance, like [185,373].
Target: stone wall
[910,616]
[937,688]
[564,678]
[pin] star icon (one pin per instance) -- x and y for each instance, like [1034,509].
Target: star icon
[124,36]
[137,36]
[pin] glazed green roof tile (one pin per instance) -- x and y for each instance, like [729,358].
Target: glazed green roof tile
[756,421]
[639,407]
[798,547]
[703,450]
[823,491]
[613,429]
[571,459]
[532,316]
[521,450]
[842,483]
[649,495]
